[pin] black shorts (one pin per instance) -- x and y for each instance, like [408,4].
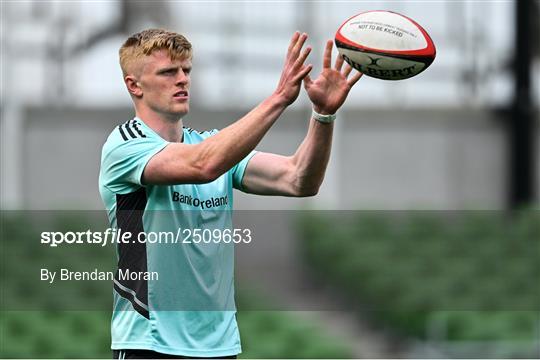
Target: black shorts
[149,354]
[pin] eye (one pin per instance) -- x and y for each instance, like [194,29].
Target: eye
[168,72]
[187,71]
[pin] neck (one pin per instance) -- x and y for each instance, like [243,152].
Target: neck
[169,129]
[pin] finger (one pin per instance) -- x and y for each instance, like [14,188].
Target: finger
[339,62]
[347,71]
[300,61]
[355,78]
[302,74]
[307,81]
[327,57]
[294,39]
[298,46]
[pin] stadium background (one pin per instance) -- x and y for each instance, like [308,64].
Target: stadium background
[439,143]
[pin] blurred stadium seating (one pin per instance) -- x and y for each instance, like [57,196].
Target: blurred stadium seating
[467,278]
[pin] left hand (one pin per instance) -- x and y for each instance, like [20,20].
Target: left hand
[329,91]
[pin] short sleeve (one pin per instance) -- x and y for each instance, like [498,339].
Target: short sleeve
[122,165]
[239,169]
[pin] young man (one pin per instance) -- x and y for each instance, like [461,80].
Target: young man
[157,176]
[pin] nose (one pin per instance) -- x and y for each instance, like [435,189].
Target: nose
[182,78]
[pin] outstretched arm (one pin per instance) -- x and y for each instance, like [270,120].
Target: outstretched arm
[302,173]
[182,163]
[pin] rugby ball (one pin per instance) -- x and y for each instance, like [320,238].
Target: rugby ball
[385,45]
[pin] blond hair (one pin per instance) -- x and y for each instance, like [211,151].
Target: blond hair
[144,43]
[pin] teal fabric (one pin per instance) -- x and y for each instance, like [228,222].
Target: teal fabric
[191,305]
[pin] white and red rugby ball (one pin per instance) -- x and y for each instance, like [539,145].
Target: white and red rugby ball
[385,45]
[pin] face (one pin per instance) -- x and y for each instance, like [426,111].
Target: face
[164,85]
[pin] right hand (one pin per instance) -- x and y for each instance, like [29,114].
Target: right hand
[294,69]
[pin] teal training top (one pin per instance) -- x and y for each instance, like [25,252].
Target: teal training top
[188,307]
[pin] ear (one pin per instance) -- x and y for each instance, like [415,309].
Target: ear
[133,86]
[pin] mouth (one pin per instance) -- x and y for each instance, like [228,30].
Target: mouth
[181,95]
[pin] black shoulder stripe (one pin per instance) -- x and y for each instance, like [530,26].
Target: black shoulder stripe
[130,130]
[133,136]
[136,128]
[122,133]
